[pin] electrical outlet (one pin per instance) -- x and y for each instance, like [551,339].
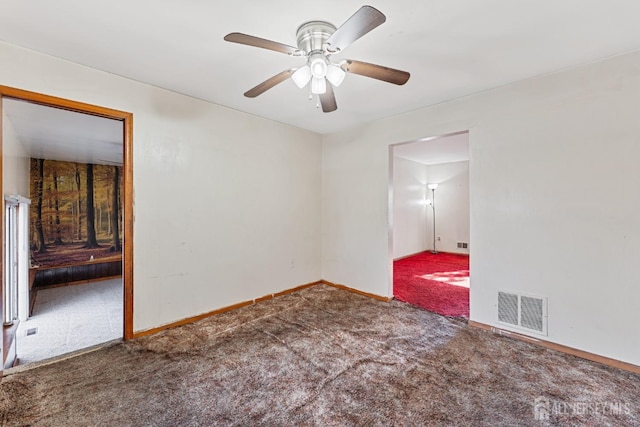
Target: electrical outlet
[438,238]
[292,265]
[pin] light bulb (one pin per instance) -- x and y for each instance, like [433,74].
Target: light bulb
[335,75]
[318,86]
[318,67]
[302,76]
[432,186]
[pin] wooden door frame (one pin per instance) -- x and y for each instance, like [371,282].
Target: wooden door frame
[127,119]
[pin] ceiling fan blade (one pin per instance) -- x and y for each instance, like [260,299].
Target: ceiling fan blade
[386,74]
[328,100]
[364,20]
[269,83]
[263,43]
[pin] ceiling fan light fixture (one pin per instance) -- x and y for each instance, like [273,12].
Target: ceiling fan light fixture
[318,86]
[317,41]
[335,75]
[302,76]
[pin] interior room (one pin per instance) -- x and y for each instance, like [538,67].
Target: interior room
[70,295]
[430,232]
[257,221]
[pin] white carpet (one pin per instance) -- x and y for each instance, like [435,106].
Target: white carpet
[70,318]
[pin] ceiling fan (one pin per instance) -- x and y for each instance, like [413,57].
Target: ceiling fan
[317,41]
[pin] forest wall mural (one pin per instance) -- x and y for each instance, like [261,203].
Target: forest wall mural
[76,212]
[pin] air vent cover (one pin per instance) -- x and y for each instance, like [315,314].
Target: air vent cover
[508,308]
[532,314]
[526,312]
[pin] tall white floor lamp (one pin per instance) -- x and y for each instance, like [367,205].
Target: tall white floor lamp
[433,187]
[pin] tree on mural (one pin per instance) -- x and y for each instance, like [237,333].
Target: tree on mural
[78,201]
[115,229]
[40,181]
[56,201]
[92,242]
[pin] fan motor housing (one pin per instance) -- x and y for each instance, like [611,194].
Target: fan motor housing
[312,35]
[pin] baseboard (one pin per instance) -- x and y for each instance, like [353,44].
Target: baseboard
[77,282]
[356,291]
[193,319]
[428,250]
[559,347]
[410,255]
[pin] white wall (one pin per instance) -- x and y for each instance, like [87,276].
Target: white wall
[452,206]
[15,161]
[554,173]
[409,210]
[226,207]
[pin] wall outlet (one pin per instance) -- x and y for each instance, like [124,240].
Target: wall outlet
[438,238]
[292,264]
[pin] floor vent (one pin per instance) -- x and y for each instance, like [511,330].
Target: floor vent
[32,331]
[526,312]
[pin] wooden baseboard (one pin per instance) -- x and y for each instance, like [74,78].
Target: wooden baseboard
[289,291]
[188,320]
[356,291]
[192,319]
[559,347]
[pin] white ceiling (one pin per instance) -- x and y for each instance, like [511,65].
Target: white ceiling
[451,47]
[55,134]
[432,151]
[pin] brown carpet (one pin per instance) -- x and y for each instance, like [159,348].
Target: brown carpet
[321,356]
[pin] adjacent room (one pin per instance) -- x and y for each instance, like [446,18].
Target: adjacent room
[431,245]
[265,212]
[69,253]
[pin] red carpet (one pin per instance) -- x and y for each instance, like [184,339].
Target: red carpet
[435,282]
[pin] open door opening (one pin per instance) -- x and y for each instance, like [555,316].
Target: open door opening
[98,220]
[430,223]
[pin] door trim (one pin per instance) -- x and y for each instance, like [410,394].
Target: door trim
[128,215]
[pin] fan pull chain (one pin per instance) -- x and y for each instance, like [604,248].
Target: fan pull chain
[311,97]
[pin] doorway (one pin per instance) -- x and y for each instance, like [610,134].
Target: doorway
[123,198]
[430,223]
